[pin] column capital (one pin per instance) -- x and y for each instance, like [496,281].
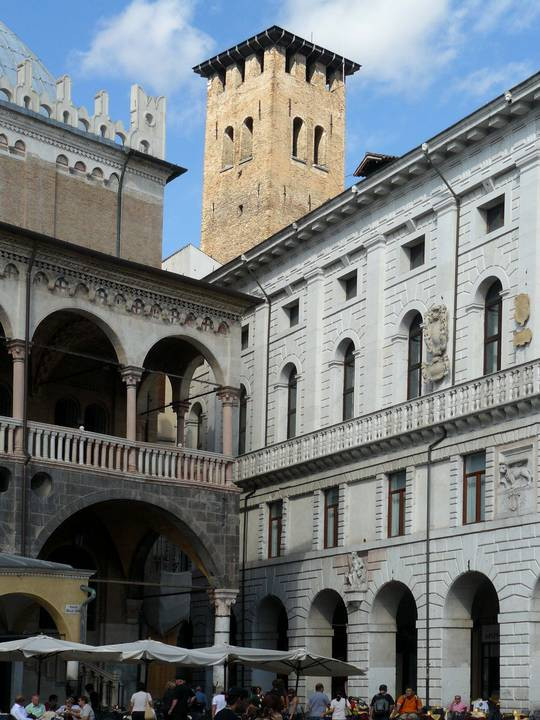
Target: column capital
[228,395]
[223,599]
[16,348]
[180,407]
[131,374]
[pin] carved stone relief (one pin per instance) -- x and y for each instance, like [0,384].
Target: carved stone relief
[436,339]
[356,576]
[523,335]
[515,486]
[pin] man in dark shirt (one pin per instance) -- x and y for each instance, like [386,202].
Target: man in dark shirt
[237,703]
[381,705]
[181,700]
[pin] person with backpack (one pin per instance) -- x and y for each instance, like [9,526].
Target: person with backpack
[381,705]
[409,706]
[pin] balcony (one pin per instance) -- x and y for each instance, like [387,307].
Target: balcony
[485,400]
[104,453]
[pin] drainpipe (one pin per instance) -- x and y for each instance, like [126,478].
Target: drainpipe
[267,381]
[457,200]
[27,456]
[119,197]
[243,572]
[428,553]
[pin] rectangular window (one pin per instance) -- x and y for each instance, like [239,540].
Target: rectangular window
[331,514]
[350,285]
[494,215]
[245,337]
[416,253]
[293,312]
[397,483]
[474,488]
[275,518]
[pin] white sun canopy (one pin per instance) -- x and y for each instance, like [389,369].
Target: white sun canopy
[43,646]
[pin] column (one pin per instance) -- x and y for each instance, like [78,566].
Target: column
[229,398]
[455,669]
[16,349]
[180,407]
[223,599]
[382,657]
[131,376]
[517,680]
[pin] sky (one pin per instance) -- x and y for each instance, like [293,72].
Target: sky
[425,64]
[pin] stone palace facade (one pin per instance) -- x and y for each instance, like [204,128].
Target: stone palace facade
[390,388]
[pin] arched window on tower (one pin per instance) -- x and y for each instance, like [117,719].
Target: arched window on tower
[227,157]
[242,421]
[298,139]
[292,392]
[493,328]
[246,140]
[414,360]
[319,146]
[348,383]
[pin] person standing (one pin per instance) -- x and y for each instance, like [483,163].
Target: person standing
[339,707]
[93,697]
[18,711]
[199,705]
[408,706]
[138,702]
[218,702]
[35,709]
[318,703]
[180,704]
[294,709]
[381,705]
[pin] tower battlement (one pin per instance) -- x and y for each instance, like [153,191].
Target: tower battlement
[146,131]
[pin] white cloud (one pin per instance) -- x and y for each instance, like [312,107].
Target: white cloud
[404,45]
[152,42]
[490,81]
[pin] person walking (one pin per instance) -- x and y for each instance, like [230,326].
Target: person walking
[381,705]
[237,703]
[199,705]
[318,703]
[181,700]
[139,700]
[409,705]
[294,709]
[340,706]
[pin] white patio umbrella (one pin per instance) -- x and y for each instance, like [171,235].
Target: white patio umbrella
[150,650]
[301,661]
[42,647]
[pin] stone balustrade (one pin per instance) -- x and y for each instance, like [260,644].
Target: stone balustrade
[105,453]
[490,394]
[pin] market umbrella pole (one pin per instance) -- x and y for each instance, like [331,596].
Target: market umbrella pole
[40,660]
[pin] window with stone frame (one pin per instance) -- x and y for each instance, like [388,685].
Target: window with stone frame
[275,528]
[493,328]
[493,214]
[348,382]
[474,488]
[331,517]
[414,358]
[244,338]
[246,139]
[397,496]
[292,393]
[298,149]
[227,155]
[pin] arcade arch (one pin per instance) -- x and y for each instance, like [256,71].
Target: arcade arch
[327,630]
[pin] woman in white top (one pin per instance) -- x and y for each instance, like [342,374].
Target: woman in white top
[137,704]
[218,702]
[339,707]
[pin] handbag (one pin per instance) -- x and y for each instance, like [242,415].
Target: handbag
[149,713]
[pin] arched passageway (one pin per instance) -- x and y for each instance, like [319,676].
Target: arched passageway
[471,648]
[393,639]
[270,631]
[327,631]
[22,615]
[151,578]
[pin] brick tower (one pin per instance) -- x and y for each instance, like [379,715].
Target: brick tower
[275,137]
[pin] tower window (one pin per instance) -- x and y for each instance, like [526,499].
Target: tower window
[227,158]
[246,140]
[241,65]
[299,139]
[260,58]
[319,146]
[289,55]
